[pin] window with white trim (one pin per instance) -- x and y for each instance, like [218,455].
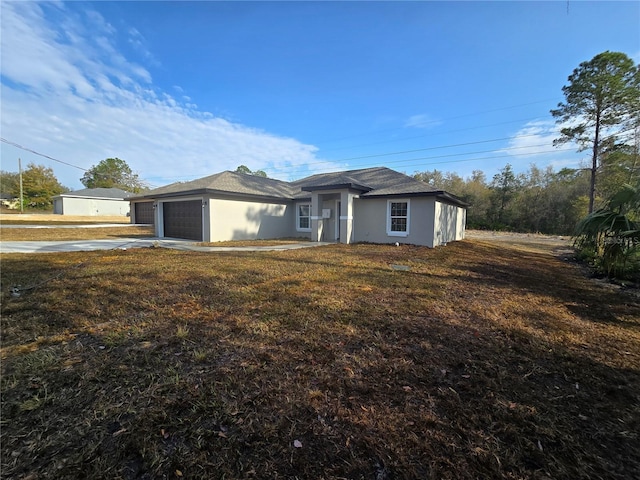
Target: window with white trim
[398,218]
[303,217]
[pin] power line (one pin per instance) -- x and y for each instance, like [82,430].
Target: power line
[273,169]
[480,158]
[399,152]
[430,134]
[366,157]
[17,145]
[26,149]
[433,148]
[402,162]
[443,119]
[452,146]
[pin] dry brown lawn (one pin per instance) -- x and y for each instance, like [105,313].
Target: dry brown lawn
[63,234]
[56,228]
[482,360]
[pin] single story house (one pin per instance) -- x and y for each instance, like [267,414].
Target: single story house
[377,205]
[93,202]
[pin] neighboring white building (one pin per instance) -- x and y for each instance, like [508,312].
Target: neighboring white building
[9,201]
[377,205]
[93,202]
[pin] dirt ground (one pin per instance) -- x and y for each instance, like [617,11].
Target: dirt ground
[558,240]
[555,244]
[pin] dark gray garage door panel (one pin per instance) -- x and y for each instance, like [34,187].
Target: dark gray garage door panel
[144,212]
[183,219]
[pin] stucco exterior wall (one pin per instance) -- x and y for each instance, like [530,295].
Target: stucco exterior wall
[430,221]
[450,223]
[370,221]
[243,220]
[91,206]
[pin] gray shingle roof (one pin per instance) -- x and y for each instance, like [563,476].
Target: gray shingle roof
[230,182]
[371,182]
[112,193]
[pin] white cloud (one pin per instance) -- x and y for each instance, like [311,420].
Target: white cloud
[97,22]
[533,143]
[535,138]
[70,94]
[139,43]
[422,120]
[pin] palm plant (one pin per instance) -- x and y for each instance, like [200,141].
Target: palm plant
[612,234]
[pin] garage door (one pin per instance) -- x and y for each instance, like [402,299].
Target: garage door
[144,212]
[183,219]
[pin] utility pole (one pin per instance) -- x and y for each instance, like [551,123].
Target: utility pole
[21,201]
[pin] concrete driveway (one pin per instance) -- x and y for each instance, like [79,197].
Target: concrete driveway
[126,243]
[74,245]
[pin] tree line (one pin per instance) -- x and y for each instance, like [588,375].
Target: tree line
[40,185]
[540,200]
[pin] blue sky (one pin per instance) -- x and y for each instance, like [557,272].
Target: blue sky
[181,90]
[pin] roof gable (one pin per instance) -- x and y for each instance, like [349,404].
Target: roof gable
[230,182]
[375,181]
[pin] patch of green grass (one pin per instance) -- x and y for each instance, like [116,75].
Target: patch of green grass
[182,332]
[33,403]
[36,362]
[200,355]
